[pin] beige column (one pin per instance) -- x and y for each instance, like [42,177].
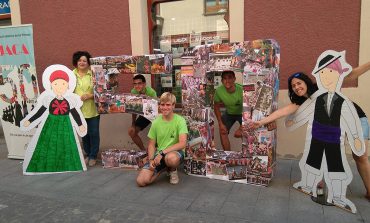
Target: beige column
[15,12]
[236,20]
[139,27]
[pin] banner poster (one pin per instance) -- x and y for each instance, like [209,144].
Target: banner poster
[18,85]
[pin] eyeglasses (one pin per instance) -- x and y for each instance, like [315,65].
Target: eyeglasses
[138,83]
[294,76]
[167,105]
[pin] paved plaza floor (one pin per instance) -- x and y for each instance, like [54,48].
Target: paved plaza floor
[111,195]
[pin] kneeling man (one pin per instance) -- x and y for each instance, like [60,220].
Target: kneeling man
[169,133]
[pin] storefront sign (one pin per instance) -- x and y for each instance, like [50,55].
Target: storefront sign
[180,39]
[4,9]
[198,38]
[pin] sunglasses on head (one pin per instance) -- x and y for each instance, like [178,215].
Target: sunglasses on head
[294,76]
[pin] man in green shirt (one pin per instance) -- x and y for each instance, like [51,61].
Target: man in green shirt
[230,95]
[169,133]
[140,123]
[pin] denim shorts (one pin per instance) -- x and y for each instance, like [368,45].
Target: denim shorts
[365,127]
[229,120]
[163,165]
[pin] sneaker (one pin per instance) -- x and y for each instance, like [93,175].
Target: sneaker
[174,177]
[92,162]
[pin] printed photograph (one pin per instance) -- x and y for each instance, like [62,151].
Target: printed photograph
[150,108]
[143,65]
[259,164]
[219,62]
[110,158]
[216,168]
[134,104]
[128,65]
[157,64]
[198,167]
[237,172]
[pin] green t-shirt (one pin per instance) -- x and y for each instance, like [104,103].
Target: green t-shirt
[233,102]
[148,91]
[167,133]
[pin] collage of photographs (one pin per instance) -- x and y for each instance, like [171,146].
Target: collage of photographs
[260,95]
[258,62]
[110,74]
[198,74]
[131,159]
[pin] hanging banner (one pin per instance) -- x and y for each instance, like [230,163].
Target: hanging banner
[4,9]
[18,85]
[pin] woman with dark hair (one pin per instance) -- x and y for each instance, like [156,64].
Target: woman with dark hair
[84,88]
[310,86]
[300,88]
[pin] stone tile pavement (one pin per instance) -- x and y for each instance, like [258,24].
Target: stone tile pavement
[111,195]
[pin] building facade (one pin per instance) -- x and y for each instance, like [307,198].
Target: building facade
[117,27]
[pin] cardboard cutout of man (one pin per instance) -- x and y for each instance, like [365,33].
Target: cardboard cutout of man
[55,147]
[331,116]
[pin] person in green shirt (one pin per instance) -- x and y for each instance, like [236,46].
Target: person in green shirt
[140,123]
[230,95]
[84,88]
[167,141]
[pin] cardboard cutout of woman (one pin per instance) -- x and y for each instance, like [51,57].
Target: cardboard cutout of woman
[331,117]
[55,147]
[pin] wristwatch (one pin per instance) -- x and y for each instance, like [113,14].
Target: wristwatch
[162,153]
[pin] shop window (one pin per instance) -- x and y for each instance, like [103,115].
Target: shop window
[5,22]
[177,26]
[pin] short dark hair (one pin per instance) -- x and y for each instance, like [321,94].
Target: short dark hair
[77,55]
[227,72]
[140,77]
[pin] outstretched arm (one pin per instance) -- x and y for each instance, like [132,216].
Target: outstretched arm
[282,112]
[357,72]
[304,110]
[304,113]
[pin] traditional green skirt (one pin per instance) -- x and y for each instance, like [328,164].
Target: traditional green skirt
[56,149]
